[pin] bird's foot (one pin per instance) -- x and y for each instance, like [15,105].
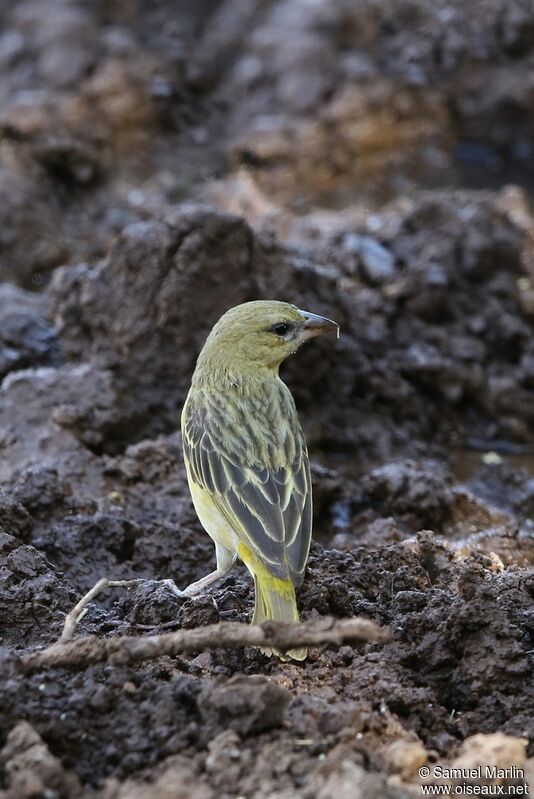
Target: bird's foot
[171,585]
[80,609]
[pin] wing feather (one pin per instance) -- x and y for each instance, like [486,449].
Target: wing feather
[269,507]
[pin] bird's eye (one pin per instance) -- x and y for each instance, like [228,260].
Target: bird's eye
[281,328]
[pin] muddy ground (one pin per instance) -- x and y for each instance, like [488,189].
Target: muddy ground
[159,163]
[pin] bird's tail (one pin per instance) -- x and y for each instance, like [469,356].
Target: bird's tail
[275,600]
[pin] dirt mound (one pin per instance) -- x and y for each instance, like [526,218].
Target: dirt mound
[160,163]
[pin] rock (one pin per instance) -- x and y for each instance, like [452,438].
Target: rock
[359,136]
[26,337]
[31,770]
[405,757]
[356,51]
[29,246]
[351,781]
[175,778]
[498,750]
[244,704]
[15,520]
[29,400]
[225,755]
[61,42]
[377,263]
[33,596]
[417,493]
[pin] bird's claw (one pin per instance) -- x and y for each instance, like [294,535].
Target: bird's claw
[171,585]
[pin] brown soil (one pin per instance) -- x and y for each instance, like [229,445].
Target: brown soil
[159,164]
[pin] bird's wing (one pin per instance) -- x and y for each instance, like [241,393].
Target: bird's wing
[269,509]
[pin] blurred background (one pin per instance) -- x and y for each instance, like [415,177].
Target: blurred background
[162,161]
[371,160]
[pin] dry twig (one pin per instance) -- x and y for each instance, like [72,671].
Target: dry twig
[228,635]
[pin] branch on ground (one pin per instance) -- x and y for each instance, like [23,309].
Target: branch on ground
[228,635]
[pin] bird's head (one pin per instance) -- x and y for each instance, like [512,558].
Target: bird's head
[262,334]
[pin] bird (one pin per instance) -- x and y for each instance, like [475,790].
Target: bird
[245,454]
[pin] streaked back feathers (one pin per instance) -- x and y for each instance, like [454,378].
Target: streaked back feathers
[248,452]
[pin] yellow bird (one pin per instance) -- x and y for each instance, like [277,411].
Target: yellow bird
[245,454]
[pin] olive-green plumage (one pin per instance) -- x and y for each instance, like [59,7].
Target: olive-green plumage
[245,453]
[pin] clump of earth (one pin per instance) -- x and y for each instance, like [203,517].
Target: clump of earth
[160,164]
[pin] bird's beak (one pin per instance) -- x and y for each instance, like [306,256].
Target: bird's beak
[315,325]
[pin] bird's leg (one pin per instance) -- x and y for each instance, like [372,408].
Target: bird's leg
[198,586]
[225,560]
[80,609]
